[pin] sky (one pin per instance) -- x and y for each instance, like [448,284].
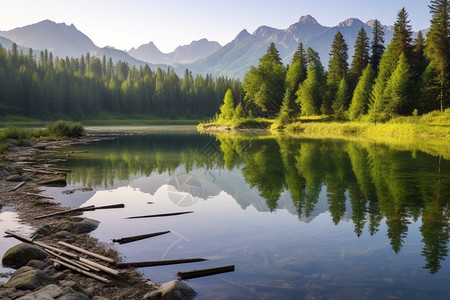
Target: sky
[171,23]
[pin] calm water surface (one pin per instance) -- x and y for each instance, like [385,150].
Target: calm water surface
[299,218]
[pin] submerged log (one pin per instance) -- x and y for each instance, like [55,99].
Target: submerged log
[85,208]
[161,215]
[130,239]
[204,272]
[154,263]
[64,212]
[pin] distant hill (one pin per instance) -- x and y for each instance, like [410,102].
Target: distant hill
[181,55]
[62,40]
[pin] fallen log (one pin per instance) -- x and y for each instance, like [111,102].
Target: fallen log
[99,278]
[154,263]
[204,272]
[130,239]
[63,212]
[81,250]
[38,195]
[88,208]
[69,261]
[19,185]
[85,208]
[161,215]
[99,266]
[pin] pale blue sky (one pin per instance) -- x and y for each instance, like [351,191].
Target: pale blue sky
[170,23]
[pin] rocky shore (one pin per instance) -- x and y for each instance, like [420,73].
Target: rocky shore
[36,275]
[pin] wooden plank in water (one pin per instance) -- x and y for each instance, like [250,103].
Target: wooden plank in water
[204,272]
[154,263]
[161,215]
[130,239]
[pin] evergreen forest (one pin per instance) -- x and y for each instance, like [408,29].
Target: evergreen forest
[90,87]
[409,76]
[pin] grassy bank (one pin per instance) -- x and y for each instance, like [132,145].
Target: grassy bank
[236,124]
[54,130]
[433,125]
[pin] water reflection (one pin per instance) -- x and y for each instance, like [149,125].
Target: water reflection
[364,182]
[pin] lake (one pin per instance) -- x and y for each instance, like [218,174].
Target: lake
[299,218]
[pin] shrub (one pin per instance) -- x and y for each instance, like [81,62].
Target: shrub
[65,128]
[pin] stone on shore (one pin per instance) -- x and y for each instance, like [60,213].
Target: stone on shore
[172,290]
[78,225]
[28,278]
[19,255]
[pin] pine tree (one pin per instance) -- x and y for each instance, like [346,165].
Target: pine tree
[227,109]
[337,70]
[400,44]
[264,85]
[438,50]
[398,89]
[309,94]
[296,74]
[377,45]
[360,59]
[361,95]
[340,105]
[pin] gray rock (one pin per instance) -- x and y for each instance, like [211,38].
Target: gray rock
[19,255]
[65,236]
[78,225]
[27,278]
[44,230]
[172,290]
[15,177]
[37,264]
[99,298]
[70,294]
[48,292]
[72,284]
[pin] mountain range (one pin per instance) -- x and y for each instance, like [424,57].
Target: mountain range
[202,56]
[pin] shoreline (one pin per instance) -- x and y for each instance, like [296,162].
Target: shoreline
[130,284]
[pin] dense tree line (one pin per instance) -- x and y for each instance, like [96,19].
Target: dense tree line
[89,87]
[406,77]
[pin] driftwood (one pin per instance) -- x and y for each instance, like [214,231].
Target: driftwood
[154,263]
[19,185]
[80,264]
[67,265]
[64,212]
[101,257]
[161,215]
[67,260]
[204,272]
[39,195]
[130,239]
[86,208]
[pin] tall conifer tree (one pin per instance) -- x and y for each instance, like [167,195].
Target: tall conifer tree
[438,50]
[296,74]
[337,70]
[377,45]
[360,58]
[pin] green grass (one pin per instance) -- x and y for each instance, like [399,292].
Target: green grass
[238,123]
[54,130]
[434,124]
